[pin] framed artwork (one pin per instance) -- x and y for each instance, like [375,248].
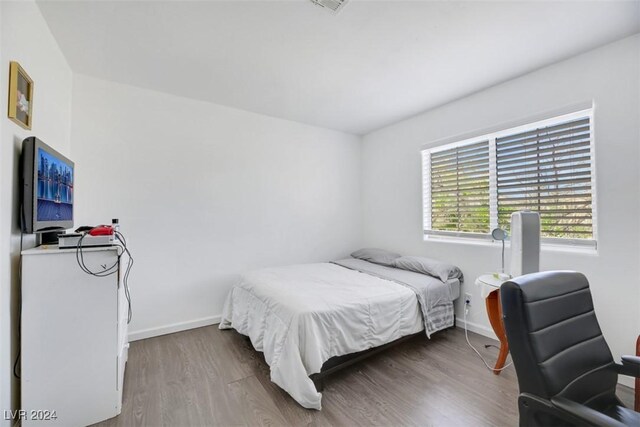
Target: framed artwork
[20,95]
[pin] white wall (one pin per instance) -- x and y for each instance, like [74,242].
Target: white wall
[204,192]
[610,76]
[24,37]
[255,191]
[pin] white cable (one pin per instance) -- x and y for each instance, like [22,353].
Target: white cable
[466,335]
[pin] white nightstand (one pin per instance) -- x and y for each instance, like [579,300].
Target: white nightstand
[490,285]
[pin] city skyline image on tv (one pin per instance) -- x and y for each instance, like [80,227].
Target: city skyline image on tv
[55,188]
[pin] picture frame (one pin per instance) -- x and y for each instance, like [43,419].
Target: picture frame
[20,96]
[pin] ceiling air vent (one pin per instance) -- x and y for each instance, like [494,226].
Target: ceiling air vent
[333,5]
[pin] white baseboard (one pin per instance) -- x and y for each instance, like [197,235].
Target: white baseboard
[477,328]
[212,320]
[174,327]
[626,381]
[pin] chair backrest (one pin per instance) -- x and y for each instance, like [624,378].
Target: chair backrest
[555,339]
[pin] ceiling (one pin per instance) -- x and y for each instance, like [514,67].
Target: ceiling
[373,64]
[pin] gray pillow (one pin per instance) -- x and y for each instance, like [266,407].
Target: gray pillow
[376,256]
[431,267]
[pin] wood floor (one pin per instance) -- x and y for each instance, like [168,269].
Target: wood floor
[206,377]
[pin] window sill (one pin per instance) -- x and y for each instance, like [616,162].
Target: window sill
[544,247]
[472,241]
[574,249]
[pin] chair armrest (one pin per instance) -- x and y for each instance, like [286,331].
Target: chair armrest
[630,366]
[583,415]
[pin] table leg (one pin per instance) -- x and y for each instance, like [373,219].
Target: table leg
[494,310]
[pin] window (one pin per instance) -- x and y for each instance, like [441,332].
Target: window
[473,186]
[460,188]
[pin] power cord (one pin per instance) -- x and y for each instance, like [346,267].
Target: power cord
[113,269]
[125,279]
[16,364]
[466,335]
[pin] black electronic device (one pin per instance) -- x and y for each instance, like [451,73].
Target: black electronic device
[47,190]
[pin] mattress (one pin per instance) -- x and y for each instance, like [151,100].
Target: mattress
[301,316]
[454,286]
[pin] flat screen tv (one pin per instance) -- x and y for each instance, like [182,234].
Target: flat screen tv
[48,179]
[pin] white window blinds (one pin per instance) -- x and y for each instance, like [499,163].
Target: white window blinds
[473,186]
[548,170]
[460,188]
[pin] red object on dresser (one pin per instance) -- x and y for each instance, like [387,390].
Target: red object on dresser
[101,230]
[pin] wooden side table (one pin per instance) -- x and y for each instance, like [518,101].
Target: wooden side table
[490,286]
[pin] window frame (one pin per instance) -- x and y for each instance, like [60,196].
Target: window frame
[491,136]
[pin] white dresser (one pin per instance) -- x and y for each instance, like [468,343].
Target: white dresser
[74,337]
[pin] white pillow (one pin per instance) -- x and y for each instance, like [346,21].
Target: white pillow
[376,256]
[439,270]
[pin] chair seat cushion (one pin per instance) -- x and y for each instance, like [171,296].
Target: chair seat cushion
[626,416]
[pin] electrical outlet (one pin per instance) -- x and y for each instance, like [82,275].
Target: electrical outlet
[467,299]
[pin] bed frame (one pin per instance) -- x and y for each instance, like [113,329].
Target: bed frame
[338,363]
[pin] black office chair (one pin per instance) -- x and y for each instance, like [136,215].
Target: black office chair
[566,373]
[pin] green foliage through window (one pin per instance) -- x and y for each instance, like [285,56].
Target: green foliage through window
[474,187]
[460,189]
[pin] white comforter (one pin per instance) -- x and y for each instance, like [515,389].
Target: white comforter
[301,316]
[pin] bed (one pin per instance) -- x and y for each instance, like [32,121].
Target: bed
[305,316]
